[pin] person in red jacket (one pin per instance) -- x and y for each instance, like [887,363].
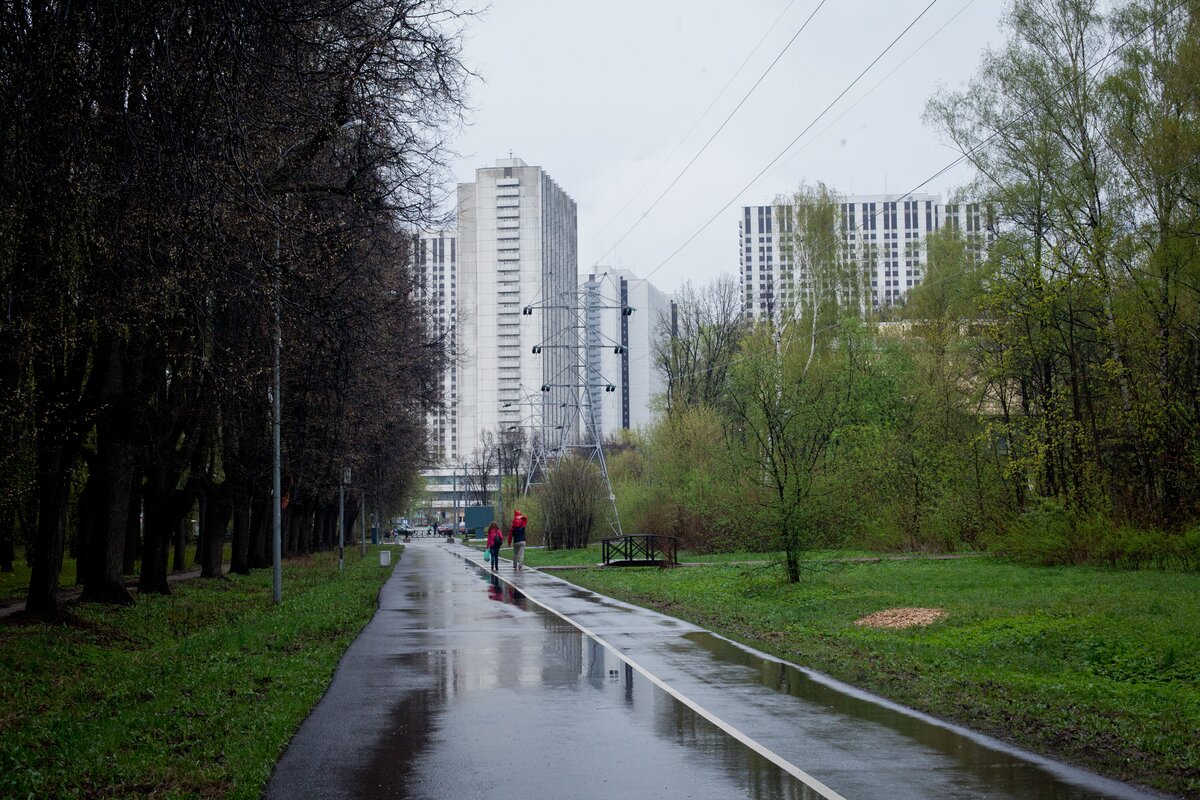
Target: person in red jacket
[516,537]
[495,537]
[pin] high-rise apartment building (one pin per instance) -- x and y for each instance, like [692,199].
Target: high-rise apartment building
[619,348]
[517,251]
[884,234]
[435,258]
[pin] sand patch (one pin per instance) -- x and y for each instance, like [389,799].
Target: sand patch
[901,617]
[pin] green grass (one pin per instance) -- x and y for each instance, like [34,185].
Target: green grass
[186,696]
[540,557]
[1101,668]
[14,585]
[591,555]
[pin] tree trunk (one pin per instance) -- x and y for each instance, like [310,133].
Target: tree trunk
[89,510]
[103,577]
[202,523]
[180,561]
[294,520]
[164,508]
[153,577]
[217,510]
[8,519]
[53,492]
[309,532]
[792,557]
[260,533]
[133,531]
[239,560]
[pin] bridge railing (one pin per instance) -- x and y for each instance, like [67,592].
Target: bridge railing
[640,548]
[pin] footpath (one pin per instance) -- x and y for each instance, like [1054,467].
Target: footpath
[519,684]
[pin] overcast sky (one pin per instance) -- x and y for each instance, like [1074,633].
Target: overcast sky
[600,94]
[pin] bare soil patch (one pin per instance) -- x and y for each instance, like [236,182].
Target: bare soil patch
[901,617]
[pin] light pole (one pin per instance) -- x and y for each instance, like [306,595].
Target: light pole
[499,487]
[277,510]
[276,413]
[342,518]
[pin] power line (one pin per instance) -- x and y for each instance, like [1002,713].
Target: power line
[695,124]
[807,128]
[881,81]
[833,122]
[964,156]
[704,147]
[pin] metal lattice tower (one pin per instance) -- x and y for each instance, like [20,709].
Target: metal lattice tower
[577,386]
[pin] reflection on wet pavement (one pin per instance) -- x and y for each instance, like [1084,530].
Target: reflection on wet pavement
[463,685]
[857,744]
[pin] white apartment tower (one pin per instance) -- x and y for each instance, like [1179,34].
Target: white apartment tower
[517,268]
[435,259]
[620,348]
[886,233]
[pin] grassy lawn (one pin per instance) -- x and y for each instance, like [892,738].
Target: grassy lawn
[1101,668]
[15,584]
[591,556]
[187,696]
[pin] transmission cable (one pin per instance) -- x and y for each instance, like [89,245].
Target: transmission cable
[704,147]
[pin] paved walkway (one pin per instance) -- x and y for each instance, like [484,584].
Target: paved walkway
[521,685]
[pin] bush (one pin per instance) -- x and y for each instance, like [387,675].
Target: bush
[1050,535]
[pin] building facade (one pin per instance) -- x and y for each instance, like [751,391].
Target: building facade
[619,348]
[517,267]
[882,235]
[436,261]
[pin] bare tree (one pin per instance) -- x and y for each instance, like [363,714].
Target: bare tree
[481,465]
[149,204]
[572,502]
[697,339]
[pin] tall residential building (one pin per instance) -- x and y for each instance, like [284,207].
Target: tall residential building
[435,257]
[884,233]
[517,250]
[619,348]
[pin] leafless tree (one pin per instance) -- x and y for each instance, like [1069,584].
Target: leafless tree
[168,170]
[572,502]
[696,341]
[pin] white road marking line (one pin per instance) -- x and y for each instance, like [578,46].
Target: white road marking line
[769,755]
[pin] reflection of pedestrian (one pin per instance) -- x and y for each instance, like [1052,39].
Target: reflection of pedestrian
[495,590]
[516,537]
[495,538]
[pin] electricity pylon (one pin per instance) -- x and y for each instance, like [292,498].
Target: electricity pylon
[576,383]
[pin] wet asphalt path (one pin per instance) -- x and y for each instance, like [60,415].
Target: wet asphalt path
[463,685]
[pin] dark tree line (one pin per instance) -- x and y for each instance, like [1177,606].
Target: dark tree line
[169,171]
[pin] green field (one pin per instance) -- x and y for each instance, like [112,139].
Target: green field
[191,695]
[14,585]
[1101,668]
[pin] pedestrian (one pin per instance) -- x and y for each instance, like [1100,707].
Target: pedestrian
[516,537]
[495,538]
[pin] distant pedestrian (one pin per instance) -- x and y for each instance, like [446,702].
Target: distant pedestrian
[495,538]
[516,537]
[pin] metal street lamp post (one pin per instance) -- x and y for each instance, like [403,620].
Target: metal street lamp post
[342,518]
[276,477]
[277,482]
